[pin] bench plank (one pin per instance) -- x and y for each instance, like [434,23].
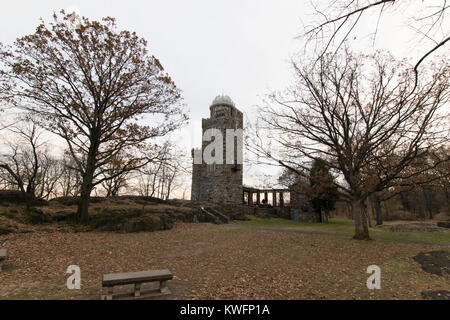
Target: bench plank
[115,279]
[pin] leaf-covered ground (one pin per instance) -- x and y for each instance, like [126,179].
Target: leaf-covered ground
[217,262]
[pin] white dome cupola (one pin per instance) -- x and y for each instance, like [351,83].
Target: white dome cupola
[222,100]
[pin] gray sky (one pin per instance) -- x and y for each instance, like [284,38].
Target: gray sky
[208,47]
[237,47]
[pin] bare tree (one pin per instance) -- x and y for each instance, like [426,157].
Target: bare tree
[360,115]
[70,180]
[51,172]
[28,165]
[160,177]
[4,86]
[422,181]
[338,20]
[90,84]
[116,178]
[22,163]
[176,173]
[442,169]
[147,178]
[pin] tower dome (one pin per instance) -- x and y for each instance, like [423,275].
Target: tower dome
[222,100]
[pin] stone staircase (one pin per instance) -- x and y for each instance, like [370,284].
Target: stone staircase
[215,216]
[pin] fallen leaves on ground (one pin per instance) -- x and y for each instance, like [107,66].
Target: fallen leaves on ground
[216,262]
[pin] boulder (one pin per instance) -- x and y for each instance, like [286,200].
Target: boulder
[436,295]
[130,220]
[414,227]
[435,262]
[36,216]
[148,223]
[443,224]
[63,215]
[6,228]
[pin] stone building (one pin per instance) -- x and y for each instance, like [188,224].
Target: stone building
[219,183]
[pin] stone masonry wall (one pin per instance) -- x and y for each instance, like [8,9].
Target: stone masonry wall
[220,183]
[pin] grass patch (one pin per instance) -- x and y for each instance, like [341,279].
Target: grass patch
[334,226]
[345,226]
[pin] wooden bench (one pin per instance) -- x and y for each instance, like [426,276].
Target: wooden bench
[136,278]
[3,254]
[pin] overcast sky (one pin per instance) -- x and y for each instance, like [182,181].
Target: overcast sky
[237,47]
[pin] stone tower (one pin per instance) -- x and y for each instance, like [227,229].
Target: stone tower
[220,183]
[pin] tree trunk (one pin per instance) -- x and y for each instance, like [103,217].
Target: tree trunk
[446,196]
[361,228]
[428,197]
[349,210]
[367,215]
[83,208]
[377,205]
[85,194]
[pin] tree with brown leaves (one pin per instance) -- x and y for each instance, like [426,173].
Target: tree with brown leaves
[92,85]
